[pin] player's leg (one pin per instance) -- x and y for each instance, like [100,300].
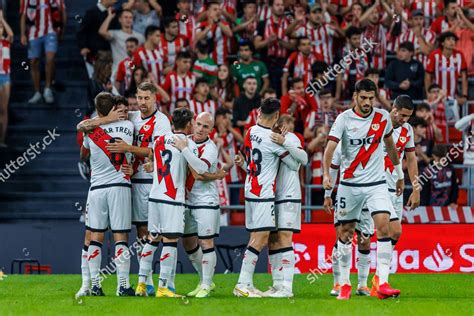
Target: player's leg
[85,272]
[274,256]
[259,220]
[364,231]
[380,207]
[287,263]
[396,218]
[95,259]
[35,48]
[51,46]
[336,288]
[122,264]
[4,99]
[192,247]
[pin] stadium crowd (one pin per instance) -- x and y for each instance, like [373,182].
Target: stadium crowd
[225,56]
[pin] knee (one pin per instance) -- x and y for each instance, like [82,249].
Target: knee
[286,239]
[154,237]
[346,234]
[383,231]
[206,243]
[49,58]
[395,234]
[259,240]
[363,242]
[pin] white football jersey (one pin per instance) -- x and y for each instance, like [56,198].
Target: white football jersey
[170,169]
[288,185]
[361,139]
[204,193]
[146,131]
[263,157]
[403,139]
[105,166]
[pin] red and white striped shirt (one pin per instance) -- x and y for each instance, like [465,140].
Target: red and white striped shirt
[40,14]
[409,36]
[428,7]
[392,40]
[278,28]
[251,119]
[179,87]
[440,25]
[264,12]
[5,60]
[220,40]
[151,60]
[321,38]
[187,26]
[316,118]
[361,65]
[299,65]
[317,167]
[231,147]
[124,72]
[446,70]
[170,49]
[197,106]
[378,55]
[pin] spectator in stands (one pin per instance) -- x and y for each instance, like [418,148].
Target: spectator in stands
[446,66]
[215,31]
[6,34]
[253,115]
[139,74]
[201,101]
[299,64]
[315,148]
[382,95]
[465,32]
[346,80]
[298,103]
[187,21]
[320,33]
[354,17]
[326,116]
[273,42]
[88,38]
[433,132]
[102,74]
[204,66]
[171,42]
[132,102]
[436,99]
[248,66]
[145,13]
[405,75]
[377,33]
[466,125]
[225,90]
[448,21]
[246,25]
[40,26]
[429,10]
[423,39]
[423,146]
[123,76]
[442,187]
[247,101]
[183,103]
[117,38]
[179,83]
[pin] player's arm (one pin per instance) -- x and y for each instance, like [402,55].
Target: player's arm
[412,166]
[464,122]
[288,160]
[89,125]
[85,153]
[208,176]
[239,160]
[199,165]
[296,152]
[327,193]
[393,155]
[119,146]
[327,158]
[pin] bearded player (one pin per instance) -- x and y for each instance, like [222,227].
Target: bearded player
[361,131]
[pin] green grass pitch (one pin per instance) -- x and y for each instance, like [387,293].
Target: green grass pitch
[422,294]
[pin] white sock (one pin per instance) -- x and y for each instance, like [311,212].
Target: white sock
[86,276]
[248,267]
[94,258]
[345,256]
[363,267]
[167,263]
[276,268]
[209,259]
[122,262]
[384,256]
[335,265]
[195,256]
[146,261]
[288,267]
[173,274]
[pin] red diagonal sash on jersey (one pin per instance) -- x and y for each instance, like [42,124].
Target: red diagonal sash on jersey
[377,128]
[256,188]
[400,145]
[162,170]
[147,132]
[101,139]
[190,178]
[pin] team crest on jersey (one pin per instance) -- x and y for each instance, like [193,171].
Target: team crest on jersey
[256,68]
[375,127]
[146,127]
[403,139]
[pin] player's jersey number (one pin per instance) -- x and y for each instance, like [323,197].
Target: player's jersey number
[167,156]
[256,157]
[116,158]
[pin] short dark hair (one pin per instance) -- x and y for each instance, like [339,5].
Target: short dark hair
[182,100]
[408,46]
[201,80]
[417,121]
[118,99]
[104,102]
[318,67]
[325,91]
[168,20]
[246,2]
[181,117]
[372,71]
[123,11]
[150,30]
[202,47]
[423,106]
[270,106]
[365,85]
[268,90]
[403,101]
[249,77]
[222,112]
[295,80]
[439,150]
[352,30]
[132,39]
[246,42]
[433,86]
[445,35]
[147,86]
[183,55]
[301,38]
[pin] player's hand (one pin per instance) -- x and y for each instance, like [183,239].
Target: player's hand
[221,173]
[277,138]
[284,130]
[116,115]
[84,52]
[327,182]
[127,169]
[239,159]
[119,146]
[148,165]
[453,205]
[400,186]
[414,200]
[328,207]
[180,143]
